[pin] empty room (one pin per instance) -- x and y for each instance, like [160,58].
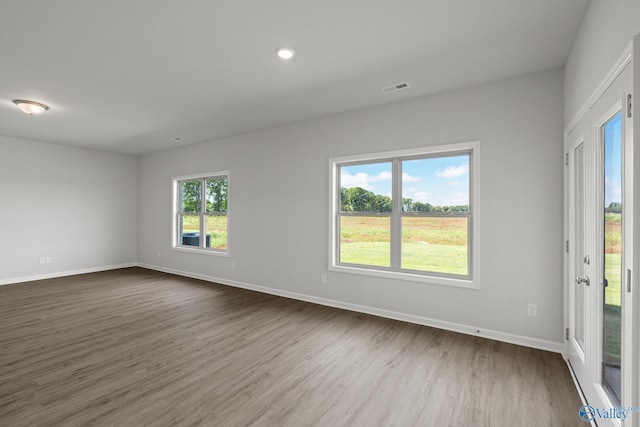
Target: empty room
[319,213]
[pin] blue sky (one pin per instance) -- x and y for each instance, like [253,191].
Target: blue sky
[441,181]
[613,160]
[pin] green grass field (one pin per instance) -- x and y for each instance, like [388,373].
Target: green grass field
[613,257]
[613,273]
[428,244]
[440,245]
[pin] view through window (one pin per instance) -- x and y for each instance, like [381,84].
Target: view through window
[406,213]
[201,211]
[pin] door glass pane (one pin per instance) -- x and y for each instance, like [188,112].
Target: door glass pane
[612,331]
[578,203]
[436,244]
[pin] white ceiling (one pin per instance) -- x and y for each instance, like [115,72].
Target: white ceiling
[129,75]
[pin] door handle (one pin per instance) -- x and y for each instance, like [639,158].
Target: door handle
[584,280]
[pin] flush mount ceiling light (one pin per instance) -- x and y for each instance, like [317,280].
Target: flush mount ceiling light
[30,107]
[285,52]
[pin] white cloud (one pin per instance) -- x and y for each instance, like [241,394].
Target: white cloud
[363,180]
[420,196]
[453,199]
[383,176]
[613,190]
[438,199]
[453,172]
[409,178]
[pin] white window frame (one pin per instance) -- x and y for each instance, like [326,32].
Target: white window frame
[175,214]
[472,281]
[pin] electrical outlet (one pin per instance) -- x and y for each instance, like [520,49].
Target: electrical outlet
[49,260]
[42,260]
[233,265]
[532,310]
[158,254]
[323,279]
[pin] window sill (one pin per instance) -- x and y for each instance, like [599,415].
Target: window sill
[432,280]
[201,251]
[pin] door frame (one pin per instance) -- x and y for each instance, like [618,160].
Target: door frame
[632,317]
[631,211]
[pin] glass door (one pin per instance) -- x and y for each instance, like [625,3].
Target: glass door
[602,349]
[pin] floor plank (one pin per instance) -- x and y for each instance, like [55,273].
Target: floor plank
[135,347]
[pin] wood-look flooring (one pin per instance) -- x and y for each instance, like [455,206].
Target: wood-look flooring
[135,347]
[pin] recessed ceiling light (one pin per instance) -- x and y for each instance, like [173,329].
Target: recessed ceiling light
[30,107]
[285,52]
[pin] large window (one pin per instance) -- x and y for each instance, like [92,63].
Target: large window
[407,214]
[200,213]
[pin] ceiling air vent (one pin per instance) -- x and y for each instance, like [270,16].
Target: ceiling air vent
[395,87]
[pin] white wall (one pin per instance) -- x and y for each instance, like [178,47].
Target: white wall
[279,204]
[608,26]
[74,205]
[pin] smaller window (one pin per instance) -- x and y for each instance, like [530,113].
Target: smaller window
[200,213]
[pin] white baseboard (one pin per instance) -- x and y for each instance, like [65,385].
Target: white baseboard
[65,273]
[551,346]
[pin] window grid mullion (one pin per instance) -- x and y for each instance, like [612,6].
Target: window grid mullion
[337,200]
[178,201]
[396,209]
[203,208]
[470,253]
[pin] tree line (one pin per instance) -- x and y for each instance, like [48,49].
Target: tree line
[357,199]
[614,207]
[353,199]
